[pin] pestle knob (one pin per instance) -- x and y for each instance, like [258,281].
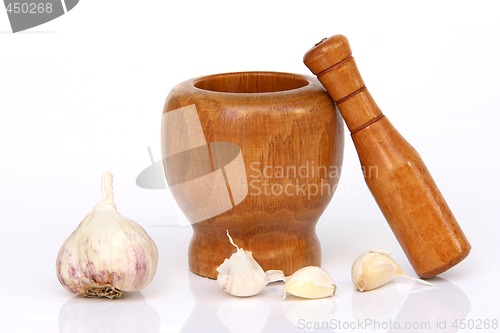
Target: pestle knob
[394,172]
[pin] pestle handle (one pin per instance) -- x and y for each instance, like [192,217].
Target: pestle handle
[332,62]
[394,172]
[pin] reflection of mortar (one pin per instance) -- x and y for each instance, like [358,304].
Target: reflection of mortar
[255,153]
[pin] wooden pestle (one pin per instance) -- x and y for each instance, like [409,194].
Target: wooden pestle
[394,172]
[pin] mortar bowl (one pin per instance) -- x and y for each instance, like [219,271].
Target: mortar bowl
[258,154]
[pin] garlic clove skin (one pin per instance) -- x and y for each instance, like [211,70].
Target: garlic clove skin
[275,275]
[242,276]
[108,254]
[310,282]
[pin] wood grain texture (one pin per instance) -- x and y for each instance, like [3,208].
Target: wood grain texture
[291,140]
[394,172]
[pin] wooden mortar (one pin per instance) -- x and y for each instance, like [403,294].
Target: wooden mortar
[257,154]
[394,172]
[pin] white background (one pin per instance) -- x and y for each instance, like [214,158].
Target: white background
[84,93]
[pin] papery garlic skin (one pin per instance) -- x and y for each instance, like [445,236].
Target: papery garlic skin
[310,282]
[108,253]
[242,276]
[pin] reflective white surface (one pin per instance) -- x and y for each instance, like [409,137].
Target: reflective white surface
[84,94]
[179,301]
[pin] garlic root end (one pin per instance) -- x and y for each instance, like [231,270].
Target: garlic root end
[99,291]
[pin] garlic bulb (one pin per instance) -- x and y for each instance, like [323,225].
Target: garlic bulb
[108,254]
[241,275]
[310,282]
[376,268]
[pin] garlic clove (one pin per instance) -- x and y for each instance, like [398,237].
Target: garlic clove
[376,268]
[310,282]
[373,269]
[108,254]
[242,276]
[238,275]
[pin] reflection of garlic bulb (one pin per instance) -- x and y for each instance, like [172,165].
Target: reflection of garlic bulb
[108,253]
[310,282]
[84,315]
[241,275]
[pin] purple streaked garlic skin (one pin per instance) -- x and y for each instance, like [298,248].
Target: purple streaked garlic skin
[108,254]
